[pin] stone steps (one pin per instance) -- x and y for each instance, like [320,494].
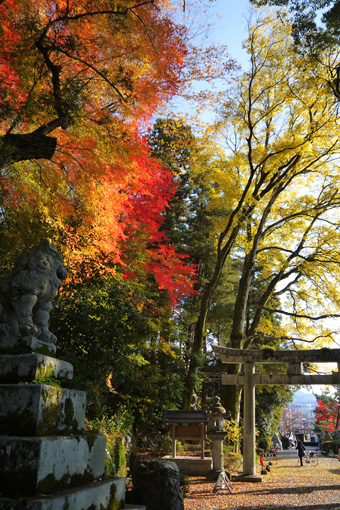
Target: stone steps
[41,410]
[106,494]
[43,465]
[46,460]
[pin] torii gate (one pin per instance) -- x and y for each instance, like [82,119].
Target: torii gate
[249,379]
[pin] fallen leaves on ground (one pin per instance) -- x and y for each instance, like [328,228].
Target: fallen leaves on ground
[286,486]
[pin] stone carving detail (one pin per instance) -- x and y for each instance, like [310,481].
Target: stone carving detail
[26,293]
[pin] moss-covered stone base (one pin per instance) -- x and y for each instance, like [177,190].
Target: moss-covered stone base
[15,368]
[104,495]
[41,409]
[44,465]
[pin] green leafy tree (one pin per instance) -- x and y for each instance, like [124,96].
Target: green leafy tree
[188,224]
[110,331]
[269,402]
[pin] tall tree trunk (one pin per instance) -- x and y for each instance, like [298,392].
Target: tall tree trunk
[241,304]
[189,383]
[231,399]
[222,255]
[207,294]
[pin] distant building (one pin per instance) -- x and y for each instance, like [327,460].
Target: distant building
[298,421]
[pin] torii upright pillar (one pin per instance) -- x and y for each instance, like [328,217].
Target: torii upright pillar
[249,453]
[249,379]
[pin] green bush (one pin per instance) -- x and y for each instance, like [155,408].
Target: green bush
[264,443]
[184,484]
[331,446]
[157,444]
[285,442]
[115,428]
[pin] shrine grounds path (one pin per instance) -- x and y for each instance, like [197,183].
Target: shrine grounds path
[286,486]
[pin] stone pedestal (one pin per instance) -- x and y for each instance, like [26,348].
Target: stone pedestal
[41,410]
[46,460]
[217,438]
[33,366]
[26,344]
[191,466]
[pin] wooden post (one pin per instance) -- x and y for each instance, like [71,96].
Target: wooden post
[173,434]
[202,427]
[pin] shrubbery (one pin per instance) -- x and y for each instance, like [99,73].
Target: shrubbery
[117,429]
[331,446]
[285,442]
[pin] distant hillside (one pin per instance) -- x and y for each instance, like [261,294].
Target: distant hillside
[302,397]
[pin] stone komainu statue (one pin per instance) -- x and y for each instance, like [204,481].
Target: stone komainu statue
[26,293]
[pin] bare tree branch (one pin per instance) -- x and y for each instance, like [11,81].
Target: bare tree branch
[302,316]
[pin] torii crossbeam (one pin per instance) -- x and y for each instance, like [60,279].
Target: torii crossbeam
[248,379]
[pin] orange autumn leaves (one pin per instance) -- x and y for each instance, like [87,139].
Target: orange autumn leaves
[103,67]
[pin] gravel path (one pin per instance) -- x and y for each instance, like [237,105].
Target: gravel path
[286,486]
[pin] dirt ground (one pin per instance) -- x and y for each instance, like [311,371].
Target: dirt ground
[287,485]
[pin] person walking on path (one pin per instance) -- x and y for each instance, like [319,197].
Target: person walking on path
[301,451]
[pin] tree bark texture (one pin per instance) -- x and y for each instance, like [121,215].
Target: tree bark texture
[22,147]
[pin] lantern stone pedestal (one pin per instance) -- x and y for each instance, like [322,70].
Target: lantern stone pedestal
[217,438]
[217,434]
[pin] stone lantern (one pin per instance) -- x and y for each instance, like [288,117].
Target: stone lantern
[217,434]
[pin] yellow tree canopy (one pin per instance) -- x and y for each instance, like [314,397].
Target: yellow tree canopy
[272,165]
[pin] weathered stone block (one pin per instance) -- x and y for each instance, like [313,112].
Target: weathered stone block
[156,485]
[192,466]
[43,465]
[27,367]
[108,495]
[41,410]
[26,344]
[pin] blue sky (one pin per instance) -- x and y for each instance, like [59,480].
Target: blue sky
[230,28]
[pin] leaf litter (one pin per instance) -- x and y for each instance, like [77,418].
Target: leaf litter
[286,486]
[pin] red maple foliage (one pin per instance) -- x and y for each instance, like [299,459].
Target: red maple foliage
[91,73]
[327,415]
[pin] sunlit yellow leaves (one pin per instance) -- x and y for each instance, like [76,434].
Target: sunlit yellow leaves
[137,359]
[168,350]
[271,168]
[266,327]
